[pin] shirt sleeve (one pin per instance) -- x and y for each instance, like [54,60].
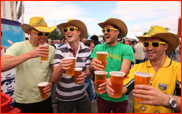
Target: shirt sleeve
[88,59]
[58,57]
[14,49]
[94,55]
[53,54]
[129,54]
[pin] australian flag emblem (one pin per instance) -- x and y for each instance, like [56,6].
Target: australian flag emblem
[162,87]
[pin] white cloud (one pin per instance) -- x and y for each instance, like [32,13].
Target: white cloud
[133,10]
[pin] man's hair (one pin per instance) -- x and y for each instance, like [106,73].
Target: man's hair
[94,37]
[88,42]
[117,28]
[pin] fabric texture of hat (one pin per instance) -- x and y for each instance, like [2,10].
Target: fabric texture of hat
[37,23]
[77,23]
[116,22]
[162,33]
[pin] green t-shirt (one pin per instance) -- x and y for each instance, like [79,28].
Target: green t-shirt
[30,73]
[119,53]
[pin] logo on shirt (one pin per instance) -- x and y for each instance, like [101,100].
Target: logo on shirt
[162,87]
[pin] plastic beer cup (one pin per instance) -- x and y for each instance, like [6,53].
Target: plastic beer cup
[41,87]
[116,78]
[70,71]
[78,71]
[44,46]
[100,77]
[141,78]
[102,56]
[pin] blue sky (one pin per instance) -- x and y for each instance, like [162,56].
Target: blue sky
[138,15]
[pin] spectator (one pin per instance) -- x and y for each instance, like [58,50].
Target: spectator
[95,39]
[83,40]
[139,52]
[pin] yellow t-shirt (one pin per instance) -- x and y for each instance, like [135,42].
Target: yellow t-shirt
[167,80]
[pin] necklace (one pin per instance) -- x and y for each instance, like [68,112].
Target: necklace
[151,80]
[110,53]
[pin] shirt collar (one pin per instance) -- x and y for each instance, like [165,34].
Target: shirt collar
[82,46]
[166,63]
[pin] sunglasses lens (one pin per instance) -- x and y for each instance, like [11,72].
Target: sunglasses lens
[72,29]
[65,30]
[155,44]
[145,44]
[39,33]
[103,31]
[46,34]
[108,30]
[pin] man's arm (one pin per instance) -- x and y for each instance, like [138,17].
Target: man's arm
[8,62]
[125,67]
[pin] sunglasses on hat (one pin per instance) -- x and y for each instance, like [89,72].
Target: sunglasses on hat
[154,44]
[70,29]
[108,30]
[41,33]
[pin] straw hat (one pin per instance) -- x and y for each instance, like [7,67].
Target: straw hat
[162,33]
[77,23]
[116,22]
[37,23]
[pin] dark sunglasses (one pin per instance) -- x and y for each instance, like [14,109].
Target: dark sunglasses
[41,33]
[108,30]
[154,44]
[70,29]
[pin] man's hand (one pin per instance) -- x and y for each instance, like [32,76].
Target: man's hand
[97,65]
[81,78]
[38,52]
[152,95]
[48,88]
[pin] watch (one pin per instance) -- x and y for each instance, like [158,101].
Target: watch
[172,102]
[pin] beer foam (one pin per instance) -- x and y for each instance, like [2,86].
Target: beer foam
[101,52]
[143,74]
[78,69]
[100,72]
[70,57]
[42,84]
[117,73]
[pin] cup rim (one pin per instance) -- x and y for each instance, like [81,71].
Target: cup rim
[122,73]
[144,74]
[70,57]
[44,83]
[101,52]
[78,69]
[101,72]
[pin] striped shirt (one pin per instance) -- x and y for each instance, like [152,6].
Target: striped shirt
[66,89]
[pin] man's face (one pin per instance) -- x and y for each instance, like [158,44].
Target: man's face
[72,36]
[83,40]
[92,47]
[111,37]
[58,41]
[37,39]
[127,43]
[155,53]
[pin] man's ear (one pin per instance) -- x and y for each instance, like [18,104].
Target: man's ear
[29,31]
[166,46]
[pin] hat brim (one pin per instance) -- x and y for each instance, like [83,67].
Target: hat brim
[77,23]
[116,22]
[172,40]
[26,27]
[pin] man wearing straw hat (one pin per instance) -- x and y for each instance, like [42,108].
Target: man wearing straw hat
[69,95]
[119,58]
[164,93]
[30,70]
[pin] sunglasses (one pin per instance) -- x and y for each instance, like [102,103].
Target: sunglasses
[41,33]
[108,30]
[70,29]
[154,44]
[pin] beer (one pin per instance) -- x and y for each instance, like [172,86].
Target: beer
[141,78]
[44,47]
[70,71]
[41,87]
[102,56]
[100,77]
[116,78]
[78,71]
